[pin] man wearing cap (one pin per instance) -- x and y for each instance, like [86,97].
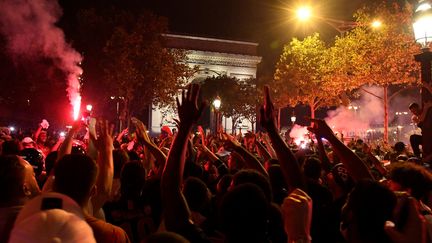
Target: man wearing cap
[28,142]
[51,217]
[17,185]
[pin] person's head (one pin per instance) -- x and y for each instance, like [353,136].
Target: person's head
[244,214]
[11,147]
[411,178]
[254,177]
[223,184]
[17,181]
[35,158]
[50,161]
[132,180]
[75,176]
[368,207]
[399,147]
[415,109]
[42,137]
[51,217]
[120,158]
[28,142]
[312,168]
[196,193]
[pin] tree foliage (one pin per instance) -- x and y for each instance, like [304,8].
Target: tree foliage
[305,75]
[381,56]
[134,61]
[239,97]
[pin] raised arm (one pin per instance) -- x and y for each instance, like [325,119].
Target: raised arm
[104,146]
[144,139]
[323,156]
[176,210]
[65,148]
[290,168]
[262,151]
[355,166]
[250,160]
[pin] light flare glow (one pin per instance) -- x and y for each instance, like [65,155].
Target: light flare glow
[76,104]
[304,13]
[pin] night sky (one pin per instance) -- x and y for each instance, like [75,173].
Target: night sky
[268,22]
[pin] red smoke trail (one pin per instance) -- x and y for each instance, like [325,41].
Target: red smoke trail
[29,27]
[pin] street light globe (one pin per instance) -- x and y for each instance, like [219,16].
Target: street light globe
[304,13]
[217,103]
[293,119]
[423,23]
[376,24]
[89,107]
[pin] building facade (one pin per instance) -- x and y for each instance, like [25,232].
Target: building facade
[211,57]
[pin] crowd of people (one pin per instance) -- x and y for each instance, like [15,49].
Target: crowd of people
[189,186]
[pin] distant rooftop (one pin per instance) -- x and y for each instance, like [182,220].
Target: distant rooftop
[210,44]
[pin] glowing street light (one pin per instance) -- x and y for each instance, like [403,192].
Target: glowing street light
[376,24]
[12,129]
[217,103]
[423,23]
[304,13]
[89,107]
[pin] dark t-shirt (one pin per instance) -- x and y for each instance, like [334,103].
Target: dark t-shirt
[7,220]
[194,234]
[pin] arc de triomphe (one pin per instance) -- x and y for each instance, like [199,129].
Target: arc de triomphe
[213,57]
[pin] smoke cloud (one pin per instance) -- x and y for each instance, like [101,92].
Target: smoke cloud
[30,30]
[362,114]
[366,114]
[299,134]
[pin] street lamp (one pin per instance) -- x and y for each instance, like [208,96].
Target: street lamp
[119,117]
[89,107]
[293,118]
[305,13]
[422,26]
[216,105]
[423,23]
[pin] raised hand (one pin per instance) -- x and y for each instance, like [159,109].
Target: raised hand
[44,124]
[267,113]
[104,141]
[230,141]
[320,128]
[141,130]
[188,109]
[297,214]
[202,134]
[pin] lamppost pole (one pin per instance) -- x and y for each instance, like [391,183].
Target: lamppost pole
[423,34]
[216,105]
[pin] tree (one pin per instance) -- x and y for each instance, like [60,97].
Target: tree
[251,98]
[133,61]
[383,56]
[239,97]
[304,75]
